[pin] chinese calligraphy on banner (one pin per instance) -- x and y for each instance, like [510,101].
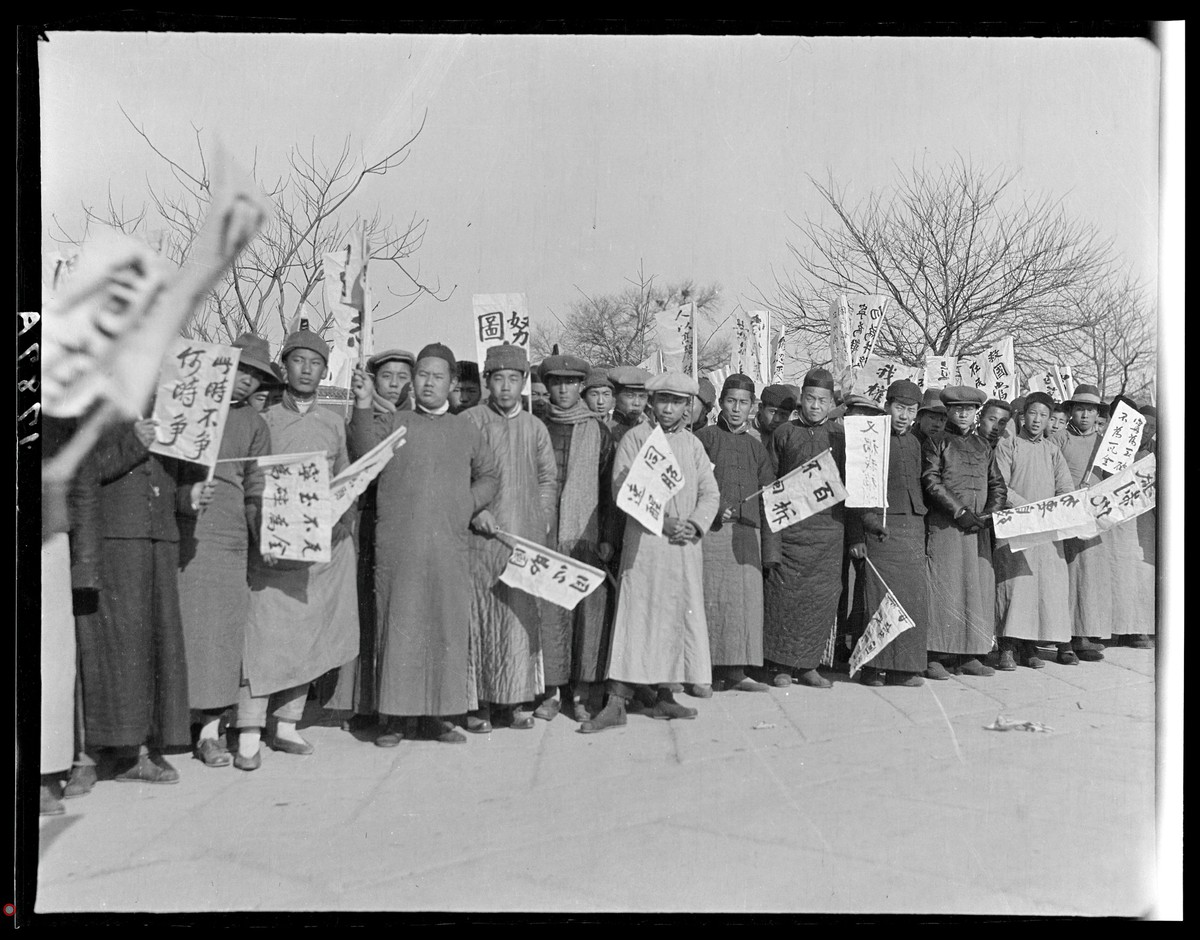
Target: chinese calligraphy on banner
[807,490]
[193,400]
[865,313]
[868,441]
[675,331]
[873,378]
[888,622]
[777,358]
[348,300]
[297,518]
[751,343]
[1047,520]
[839,338]
[1121,439]
[1125,495]
[536,570]
[653,479]
[1066,379]
[500,319]
[994,371]
[352,481]
[939,372]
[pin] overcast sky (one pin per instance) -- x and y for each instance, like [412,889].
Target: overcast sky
[551,163]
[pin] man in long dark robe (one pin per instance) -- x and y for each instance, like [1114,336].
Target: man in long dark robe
[931,416]
[962,488]
[575,643]
[801,597]
[428,494]
[896,551]
[738,547]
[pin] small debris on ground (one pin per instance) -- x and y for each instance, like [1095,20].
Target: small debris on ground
[763,725]
[1009,724]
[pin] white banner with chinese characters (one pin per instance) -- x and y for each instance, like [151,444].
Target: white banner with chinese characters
[993,371]
[888,622]
[807,490]
[500,319]
[1121,497]
[778,356]
[537,570]
[751,344]
[1066,379]
[864,315]
[193,397]
[868,441]
[874,377]
[348,300]
[1047,520]
[347,485]
[675,335]
[839,338]
[653,479]
[1121,440]
[938,372]
[297,516]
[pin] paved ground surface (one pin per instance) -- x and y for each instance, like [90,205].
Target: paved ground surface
[853,800]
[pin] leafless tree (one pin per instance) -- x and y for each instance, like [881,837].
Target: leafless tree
[964,256]
[620,328]
[277,278]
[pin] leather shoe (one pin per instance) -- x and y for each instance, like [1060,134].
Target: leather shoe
[521,721]
[248,763]
[83,778]
[210,751]
[149,770]
[611,715]
[973,667]
[935,670]
[814,680]
[434,729]
[700,691]
[548,709]
[478,725]
[667,710]
[1067,658]
[1006,663]
[290,747]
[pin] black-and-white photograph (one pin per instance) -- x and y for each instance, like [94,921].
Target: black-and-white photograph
[602,473]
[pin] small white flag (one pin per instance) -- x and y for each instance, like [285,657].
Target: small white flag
[807,490]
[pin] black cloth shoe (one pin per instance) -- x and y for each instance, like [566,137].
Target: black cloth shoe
[871,677]
[612,715]
[83,778]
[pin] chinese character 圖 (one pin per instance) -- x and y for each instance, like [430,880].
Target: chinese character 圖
[491,327]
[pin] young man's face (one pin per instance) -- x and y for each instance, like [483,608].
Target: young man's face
[505,386]
[771,416]
[992,422]
[258,399]
[390,379]
[1058,421]
[599,399]
[432,382]
[669,408]
[539,398]
[815,404]
[247,382]
[564,390]
[902,415]
[469,393]
[1036,419]
[304,370]
[1084,416]
[631,401]
[735,407]
[931,423]
[962,415]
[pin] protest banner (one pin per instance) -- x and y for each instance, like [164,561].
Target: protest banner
[868,442]
[653,363]
[1066,379]
[501,319]
[347,485]
[1046,520]
[873,378]
[652,480]
[675,334]
[1146,471]
[938,372]
[777,357]
[750,354]
[297,518]
[1121,497]
[888,622]
[537,570]
[348,301]
[1121,440]
[193,399]
[998,366]
[839,339]
[810,488]
[865,314]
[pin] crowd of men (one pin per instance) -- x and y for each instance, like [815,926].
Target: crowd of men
[189,637]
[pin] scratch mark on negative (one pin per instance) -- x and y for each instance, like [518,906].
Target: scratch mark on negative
[946,718]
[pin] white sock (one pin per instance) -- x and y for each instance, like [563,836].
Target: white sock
[211,729]
[248,739]
[287,731]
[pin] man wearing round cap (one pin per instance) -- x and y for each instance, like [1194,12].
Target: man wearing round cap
[467,390]
[629,402]
[539,395]
[218,521]
[963,488]
[1031,586]
[391,391]
[660,635]
[774,409]
[801,596]
[428,494]
[506,650]
[896,551]
[575,643]
[738,547]
[1089,561]
[931,416]
[598,393]
[303,616]
[702,404]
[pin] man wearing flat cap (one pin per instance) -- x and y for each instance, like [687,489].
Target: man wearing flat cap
[1031,586]
[931,416]
[660,635]
[431,491]
[896,551]
[1089,561]
[801,596]
[303,617]
[774,409]
[629,386]
[506,648]
[575,643]
[962,488]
